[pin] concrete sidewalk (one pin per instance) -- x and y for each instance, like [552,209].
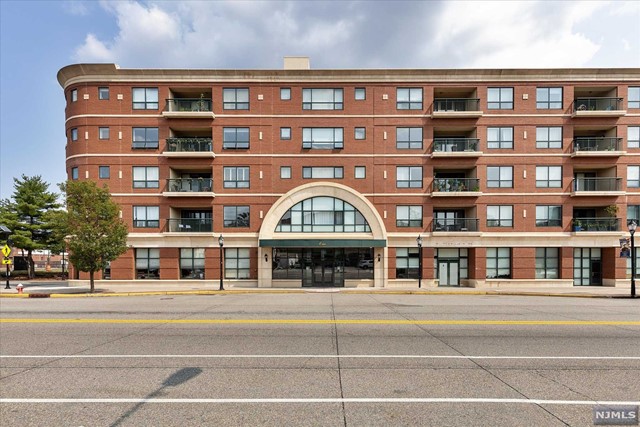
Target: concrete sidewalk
[62,289]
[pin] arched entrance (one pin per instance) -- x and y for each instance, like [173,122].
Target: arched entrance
[322,234]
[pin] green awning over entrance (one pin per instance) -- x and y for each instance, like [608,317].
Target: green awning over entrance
[323,243]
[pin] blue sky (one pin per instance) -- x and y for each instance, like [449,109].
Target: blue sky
[37,38]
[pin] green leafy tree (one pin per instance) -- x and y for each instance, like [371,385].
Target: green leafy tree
[97,235]
[27,216]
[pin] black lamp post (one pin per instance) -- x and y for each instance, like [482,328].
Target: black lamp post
[419,241]
[632,229]
[221,243]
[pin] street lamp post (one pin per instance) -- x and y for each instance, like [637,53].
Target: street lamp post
[221,243]
[419,241]
[632,230]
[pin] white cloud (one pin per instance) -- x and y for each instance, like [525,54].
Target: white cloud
[354,34]
[75,7]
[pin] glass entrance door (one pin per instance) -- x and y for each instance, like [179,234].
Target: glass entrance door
[448,273]
[323,267]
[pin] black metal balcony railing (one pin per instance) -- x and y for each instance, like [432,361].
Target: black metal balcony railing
[448,145]
[596,143]
[189,144]
[597,104]
[596,224]
[455,224]
[189,104]
[190,225]
[194,185]
[597,184]
[450,185]
[456,104]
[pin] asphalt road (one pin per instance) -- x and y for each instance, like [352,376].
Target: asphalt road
[316,359]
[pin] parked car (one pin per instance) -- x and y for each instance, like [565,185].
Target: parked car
[365,263]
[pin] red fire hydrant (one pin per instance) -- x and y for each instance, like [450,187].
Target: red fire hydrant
[19,288]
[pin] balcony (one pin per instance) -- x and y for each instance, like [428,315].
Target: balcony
[597,187]
[455,225]
[189,108]
[189,147]
[596,224]
[597,146]
[189,187]
[456,147]
[189,225]
[598,107]
[455,187]
[456,108]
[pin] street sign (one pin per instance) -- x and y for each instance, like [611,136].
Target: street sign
[6,251]
[6,261]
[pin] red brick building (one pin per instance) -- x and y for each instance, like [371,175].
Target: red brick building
[327,177]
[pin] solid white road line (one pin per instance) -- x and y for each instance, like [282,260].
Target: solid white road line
[304,356]
[327,400]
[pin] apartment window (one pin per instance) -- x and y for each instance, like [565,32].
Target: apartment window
[360,172]
[549,98]
[633,99]
[74,134]
[322,99]
[549,176]
[234,138]
[285,172]
[633,137]
[408,138]
[500,176]
[236,263]
[74,95]
[407,263]
[500,216]
[360,94]
[360,133]
[236,216]
[322,172]
[322,138]
[633,212]
[146,216]
[323,215]
[103,133]
[498,263]
[236,177]
[74,173]
[547,262]
[145,138]
[409,216]
[147,263]
[548,216]
[501,137]
[145,177]
[104,172]
[409,98]
[409,177]
[633,176]
[103,93]
[549,137]
[145,98]
[500,98]
[235,98]
[192,263]
[285,133]
[285,94]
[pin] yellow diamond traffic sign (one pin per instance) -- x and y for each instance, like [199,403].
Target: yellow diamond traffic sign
[6,261]
[6,250]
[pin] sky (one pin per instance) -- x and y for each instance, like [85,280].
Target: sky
[37,38]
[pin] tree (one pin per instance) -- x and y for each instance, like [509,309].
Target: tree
[96,234]
[27,216]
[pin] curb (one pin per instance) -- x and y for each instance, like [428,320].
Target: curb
[301,291]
